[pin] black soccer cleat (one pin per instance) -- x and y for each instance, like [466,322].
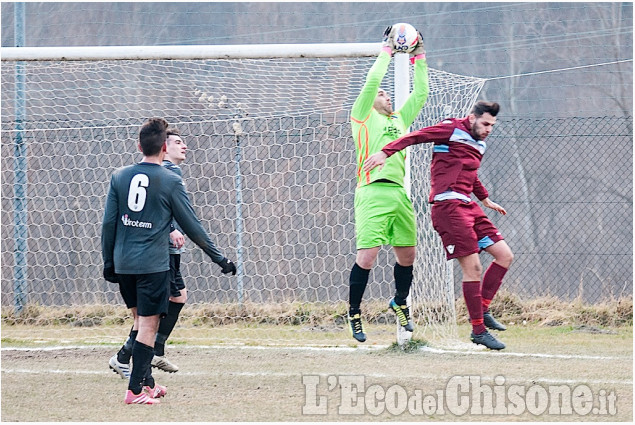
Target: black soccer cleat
[403,315]
[356,328]
[490,322]
[488,340]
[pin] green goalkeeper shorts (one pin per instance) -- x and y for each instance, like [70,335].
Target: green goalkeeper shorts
[384,216]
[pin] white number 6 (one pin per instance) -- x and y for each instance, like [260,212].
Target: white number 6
[137,192]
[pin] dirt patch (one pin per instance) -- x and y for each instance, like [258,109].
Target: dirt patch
[266,384]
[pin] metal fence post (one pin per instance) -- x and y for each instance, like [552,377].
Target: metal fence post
[20,168]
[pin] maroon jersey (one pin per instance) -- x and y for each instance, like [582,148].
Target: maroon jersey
[455,160]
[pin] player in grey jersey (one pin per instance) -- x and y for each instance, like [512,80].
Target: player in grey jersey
[142,201]
[120,362]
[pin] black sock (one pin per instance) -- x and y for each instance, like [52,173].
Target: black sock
[124,354]
[149,379]
[357,286]
[166,326]
[403,281]
[159,345]
[141,357]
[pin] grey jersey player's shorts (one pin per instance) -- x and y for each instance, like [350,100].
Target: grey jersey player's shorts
[148,292]
[176,280]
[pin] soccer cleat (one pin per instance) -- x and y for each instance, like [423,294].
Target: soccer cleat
[355,326]
[403,315]
[157,392]
[490,322]
[160,362]
[488,340]
[122,369]
[141,398]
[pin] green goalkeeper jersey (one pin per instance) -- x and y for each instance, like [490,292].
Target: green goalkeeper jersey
[372,130]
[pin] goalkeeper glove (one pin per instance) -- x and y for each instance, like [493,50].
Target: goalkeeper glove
[388,40]
[110,275]
[227,266]
[419,48]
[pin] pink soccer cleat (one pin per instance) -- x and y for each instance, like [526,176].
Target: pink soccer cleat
[156,392]
[141,398]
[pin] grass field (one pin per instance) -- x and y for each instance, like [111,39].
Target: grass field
[61,381]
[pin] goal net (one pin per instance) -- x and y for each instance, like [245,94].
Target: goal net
[270,170]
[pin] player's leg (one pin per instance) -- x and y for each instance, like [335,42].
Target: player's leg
[152,304]
[491,240]
[493,279]
[125,352]
[472,269]
[454,222]
[358,280]
[142,353]
[165,329]
[372,212]
[178,297]
[403,281]
[120,362]
[151,388]
[403,238]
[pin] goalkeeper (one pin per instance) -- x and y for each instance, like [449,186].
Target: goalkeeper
[383,211]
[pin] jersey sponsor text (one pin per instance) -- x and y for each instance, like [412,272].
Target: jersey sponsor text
[135,223]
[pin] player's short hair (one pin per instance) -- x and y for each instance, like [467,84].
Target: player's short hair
[481,107]
[152,136]
[173,131]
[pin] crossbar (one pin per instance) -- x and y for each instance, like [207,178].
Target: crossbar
[193,52]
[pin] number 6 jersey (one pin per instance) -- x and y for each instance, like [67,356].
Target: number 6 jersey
[142,201]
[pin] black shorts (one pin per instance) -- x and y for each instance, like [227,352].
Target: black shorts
[148,292]
[176,280]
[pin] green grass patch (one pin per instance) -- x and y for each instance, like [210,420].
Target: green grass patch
[412,346]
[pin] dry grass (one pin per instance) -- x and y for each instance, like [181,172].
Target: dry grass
[261,379]
[255,384]
[546,311]
[550,311]
[90,315]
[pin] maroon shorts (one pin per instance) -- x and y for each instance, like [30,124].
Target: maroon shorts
[464,228]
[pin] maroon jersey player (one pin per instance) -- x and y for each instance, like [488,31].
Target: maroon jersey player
[465,230]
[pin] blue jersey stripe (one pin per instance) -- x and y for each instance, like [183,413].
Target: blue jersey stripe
[461,136]
[441,148]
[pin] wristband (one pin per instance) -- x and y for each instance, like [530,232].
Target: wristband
[387,49]
[414,58]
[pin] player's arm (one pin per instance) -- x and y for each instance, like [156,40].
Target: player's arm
[481,193]
[415,101]
[108,231]
[176,236]
[364,103]
[479,190]
[177,239]
[186,218]
[493,205]
[434,134]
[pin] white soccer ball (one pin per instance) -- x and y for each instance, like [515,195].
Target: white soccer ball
[406,38]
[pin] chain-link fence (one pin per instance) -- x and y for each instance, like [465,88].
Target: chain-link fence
[567,185]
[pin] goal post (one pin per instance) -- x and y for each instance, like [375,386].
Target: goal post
[271,173]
